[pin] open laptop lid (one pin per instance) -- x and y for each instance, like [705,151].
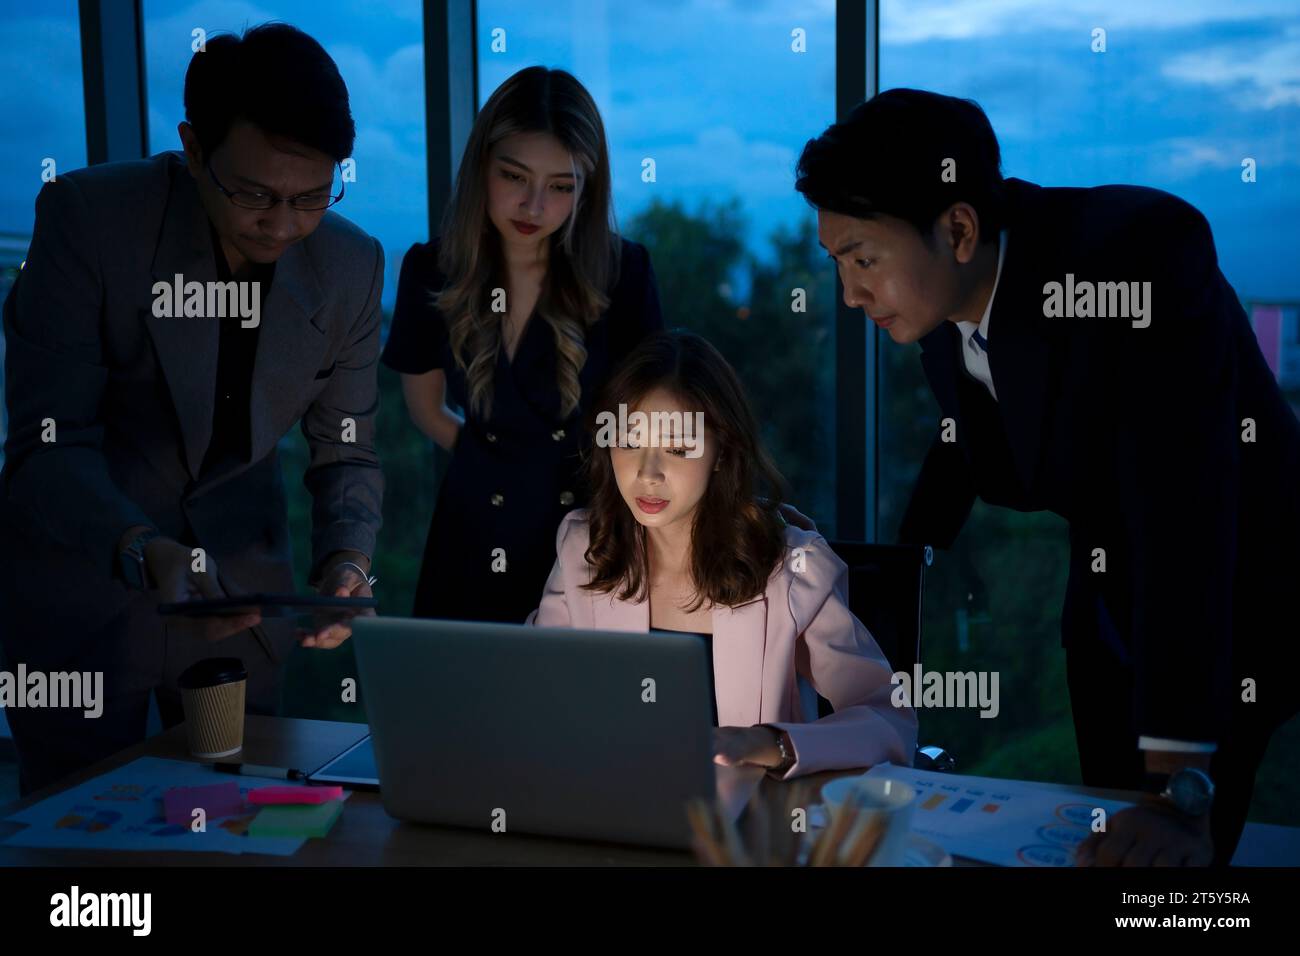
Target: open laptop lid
[578,733]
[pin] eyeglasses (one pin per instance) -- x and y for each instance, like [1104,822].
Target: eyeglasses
[306,202]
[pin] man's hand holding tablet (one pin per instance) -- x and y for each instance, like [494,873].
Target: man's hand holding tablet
[195,602]
[170,566]
[347,574]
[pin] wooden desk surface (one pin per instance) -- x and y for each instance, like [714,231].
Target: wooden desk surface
[364,834]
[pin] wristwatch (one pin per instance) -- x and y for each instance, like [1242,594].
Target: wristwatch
[1189,790]
[131,564]
[787,758]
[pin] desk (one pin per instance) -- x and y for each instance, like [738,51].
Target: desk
[364,834]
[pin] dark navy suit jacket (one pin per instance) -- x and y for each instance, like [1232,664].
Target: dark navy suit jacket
[1135,437]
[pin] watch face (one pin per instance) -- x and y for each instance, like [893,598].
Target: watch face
[1191,791]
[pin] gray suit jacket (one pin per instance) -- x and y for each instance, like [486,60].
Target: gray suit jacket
[131,398]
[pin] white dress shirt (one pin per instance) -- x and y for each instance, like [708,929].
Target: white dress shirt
[974,357]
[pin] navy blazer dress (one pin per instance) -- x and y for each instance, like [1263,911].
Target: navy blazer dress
[515,474]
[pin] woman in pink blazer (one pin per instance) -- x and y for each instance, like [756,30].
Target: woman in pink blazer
[675,539]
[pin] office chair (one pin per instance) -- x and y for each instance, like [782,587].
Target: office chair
[886,588]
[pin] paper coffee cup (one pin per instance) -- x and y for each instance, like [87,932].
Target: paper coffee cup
[212,695]
[893,799]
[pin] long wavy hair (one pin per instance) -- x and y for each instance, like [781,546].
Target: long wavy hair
[738,539]
[583,259]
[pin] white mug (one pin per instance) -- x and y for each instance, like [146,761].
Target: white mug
[878,795]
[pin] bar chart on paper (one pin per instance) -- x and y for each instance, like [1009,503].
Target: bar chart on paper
[1004,822]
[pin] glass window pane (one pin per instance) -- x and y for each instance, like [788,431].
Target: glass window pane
[722,105]
[42,126]
[42,121]
[379,50]
[1183,94]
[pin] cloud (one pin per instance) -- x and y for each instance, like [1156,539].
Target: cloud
[1255,73]
[391,91]
[916,21]
[1189,155]
[736,165]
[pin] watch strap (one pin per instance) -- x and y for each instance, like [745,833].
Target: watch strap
[132,556]
[787,757]
[1155,782]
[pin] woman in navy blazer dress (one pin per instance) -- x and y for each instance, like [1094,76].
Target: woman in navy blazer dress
[516,457]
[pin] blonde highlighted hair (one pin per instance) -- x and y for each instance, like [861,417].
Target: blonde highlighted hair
[583,259]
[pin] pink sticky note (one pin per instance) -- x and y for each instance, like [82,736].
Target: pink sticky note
[298,795]
[216,800]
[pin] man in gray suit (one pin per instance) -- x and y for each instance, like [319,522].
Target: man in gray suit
[141,461]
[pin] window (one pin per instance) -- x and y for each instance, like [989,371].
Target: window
[42,126]
[42,133]
[1182,96]
[721,103]
[380,54]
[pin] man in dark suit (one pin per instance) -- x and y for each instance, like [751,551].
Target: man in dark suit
[1090,359]
[141,461]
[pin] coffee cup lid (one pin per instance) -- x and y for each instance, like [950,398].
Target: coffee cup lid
[212,672]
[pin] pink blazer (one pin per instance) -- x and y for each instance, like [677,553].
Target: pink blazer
[769,654]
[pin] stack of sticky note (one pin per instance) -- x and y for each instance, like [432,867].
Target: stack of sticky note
[295,811]
[218,800]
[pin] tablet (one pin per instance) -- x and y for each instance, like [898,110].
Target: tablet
[271,605]
[354,768]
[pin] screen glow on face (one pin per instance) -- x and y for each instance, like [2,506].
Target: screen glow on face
[663,472]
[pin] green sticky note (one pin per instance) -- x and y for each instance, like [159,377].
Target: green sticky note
[295,820]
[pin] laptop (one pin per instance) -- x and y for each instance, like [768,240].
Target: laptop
[505,728]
